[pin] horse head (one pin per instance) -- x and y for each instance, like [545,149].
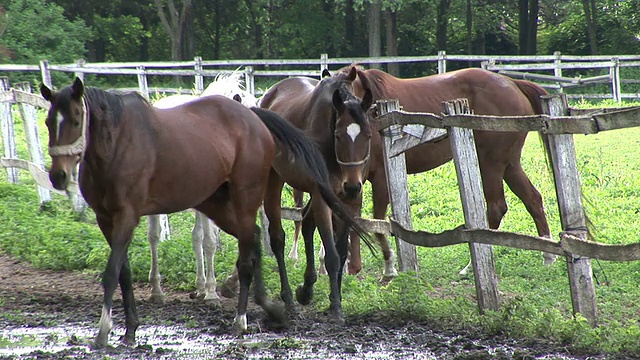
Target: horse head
[67,122]
[352,135]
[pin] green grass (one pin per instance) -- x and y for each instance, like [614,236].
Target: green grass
[535,299]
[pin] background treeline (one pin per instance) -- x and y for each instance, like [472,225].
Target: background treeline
[63,31]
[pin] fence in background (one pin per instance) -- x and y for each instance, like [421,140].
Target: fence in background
[546,69]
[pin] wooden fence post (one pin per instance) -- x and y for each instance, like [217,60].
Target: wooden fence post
[474,205]
[142,82]
[324,62]
[199,79]
[565,172]
[442,62]
[79,74]
[557,69]
[396,170]
[46,74]
[30,122]
[249,80]
[8,132]
[615,79]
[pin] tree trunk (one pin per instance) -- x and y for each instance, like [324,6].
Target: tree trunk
[375,8]
[532,28]
[174,23]
[257,30]
[391,26]
[327,7]
[441,24]
[469,30]
[349,29]
[523,26]
[590,18]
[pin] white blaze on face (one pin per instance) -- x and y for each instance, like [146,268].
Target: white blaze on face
[59,119]
[353,131]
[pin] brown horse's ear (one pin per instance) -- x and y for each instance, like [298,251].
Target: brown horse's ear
[353,72]
[338,103]
[237,98]
[77,89]
[367,100]
[46,92]
[325,73]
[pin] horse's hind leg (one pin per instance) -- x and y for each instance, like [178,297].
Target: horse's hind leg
[153,235]
[380,194]
[519,183]
[209,244]
[298,197]
[204,237]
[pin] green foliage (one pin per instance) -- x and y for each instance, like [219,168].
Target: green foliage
[37,30]
[536,303]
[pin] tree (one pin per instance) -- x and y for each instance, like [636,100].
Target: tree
[590,17]
[374,27]
[528,25]
[179,27]
[442,22]
[35,30]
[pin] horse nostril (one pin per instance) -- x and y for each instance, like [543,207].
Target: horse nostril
[352,189]
[58,179]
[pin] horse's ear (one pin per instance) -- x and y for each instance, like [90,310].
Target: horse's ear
[353,73]
[367,100]
[46,92]
[237,98]
[338,103]
[77,89]
[325,73]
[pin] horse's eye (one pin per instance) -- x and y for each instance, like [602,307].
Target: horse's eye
[76,123]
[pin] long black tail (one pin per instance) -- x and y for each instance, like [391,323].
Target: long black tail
[303,149]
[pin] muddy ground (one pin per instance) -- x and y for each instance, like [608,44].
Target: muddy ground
[53,315]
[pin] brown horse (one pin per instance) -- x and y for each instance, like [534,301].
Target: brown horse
[212,154]
[498,152]
[336,121]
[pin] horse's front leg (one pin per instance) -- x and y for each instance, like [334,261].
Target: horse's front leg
[117,230]
[272,210]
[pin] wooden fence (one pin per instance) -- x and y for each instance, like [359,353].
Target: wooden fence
[516,66]
[559,123]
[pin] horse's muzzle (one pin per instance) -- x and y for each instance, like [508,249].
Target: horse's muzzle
[352,190]
[59,179]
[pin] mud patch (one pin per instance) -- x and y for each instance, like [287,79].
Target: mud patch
[53,315]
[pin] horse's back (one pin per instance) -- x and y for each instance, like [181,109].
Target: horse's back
[288,97]
[208,142]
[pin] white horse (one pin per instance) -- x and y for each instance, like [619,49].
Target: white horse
[205,235]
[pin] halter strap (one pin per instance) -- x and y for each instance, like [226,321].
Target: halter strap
[353,163]
[79,146]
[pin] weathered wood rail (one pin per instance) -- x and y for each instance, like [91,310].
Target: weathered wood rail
[559,123]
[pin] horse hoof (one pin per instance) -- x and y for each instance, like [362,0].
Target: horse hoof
[277,314]
[129,341]
[336,317]
[304,295]
[157,299]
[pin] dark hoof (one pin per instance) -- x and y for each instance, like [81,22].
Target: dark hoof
[336,317]
[195,296]
[128,340]
[277,315]
[304,295]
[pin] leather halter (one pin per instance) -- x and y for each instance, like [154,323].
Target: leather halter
[79,146]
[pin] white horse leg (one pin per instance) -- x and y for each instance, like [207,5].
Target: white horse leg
[209,243]
[293,254]
[322,270]
[197,235]
[153,234]
[548,257]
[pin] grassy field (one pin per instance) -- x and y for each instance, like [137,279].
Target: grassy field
[535,298]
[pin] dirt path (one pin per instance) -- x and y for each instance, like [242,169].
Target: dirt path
[52,315]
